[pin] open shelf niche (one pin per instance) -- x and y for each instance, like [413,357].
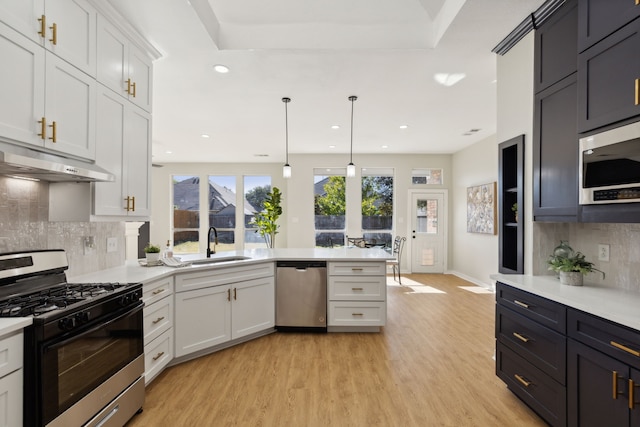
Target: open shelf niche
[510,193]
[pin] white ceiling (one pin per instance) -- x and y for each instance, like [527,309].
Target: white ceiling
[318,53]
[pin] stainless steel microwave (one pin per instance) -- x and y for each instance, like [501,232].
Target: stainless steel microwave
[610,166]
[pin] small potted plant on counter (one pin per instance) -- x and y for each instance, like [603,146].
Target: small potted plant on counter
[572,268]
[152,252]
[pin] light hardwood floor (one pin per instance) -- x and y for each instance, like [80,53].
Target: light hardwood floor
[432,365]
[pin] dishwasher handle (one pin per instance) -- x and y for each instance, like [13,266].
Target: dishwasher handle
[301,265]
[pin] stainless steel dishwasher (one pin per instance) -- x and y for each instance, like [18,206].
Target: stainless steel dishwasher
[301,296]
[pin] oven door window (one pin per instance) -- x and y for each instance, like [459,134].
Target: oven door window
[74,367]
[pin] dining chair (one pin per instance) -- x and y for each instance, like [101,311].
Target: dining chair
[398,245]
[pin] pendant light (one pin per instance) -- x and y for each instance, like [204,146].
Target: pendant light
[351,168]
[286,169]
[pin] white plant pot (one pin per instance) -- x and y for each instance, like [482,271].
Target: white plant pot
[571,278]
[153,257]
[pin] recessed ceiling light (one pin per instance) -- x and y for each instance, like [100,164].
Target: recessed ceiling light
[332,146]
[403,126]
[494,81]
[446,79]
[384,147]
[335,127]
[168,152]
[204,135]
[222,69]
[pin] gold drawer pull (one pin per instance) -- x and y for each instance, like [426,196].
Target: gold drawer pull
[159,291]
[632,391]
[521,337]
[43,26]
[43,128]
[357,289]
[357,314]
[129,86]
[520,303]
[637,91]
[522,380]
[614,384]
[159,319]
[625,348]
[357,269]
[54,34]
[158,356]
[133,86]
[54,134]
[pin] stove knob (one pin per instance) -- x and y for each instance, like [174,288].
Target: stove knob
[82,317]
[67,324]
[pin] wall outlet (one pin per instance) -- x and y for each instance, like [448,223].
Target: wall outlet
[89,245]
[603,253]
[112,244]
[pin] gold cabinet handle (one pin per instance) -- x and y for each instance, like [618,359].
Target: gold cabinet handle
[235,294]
[522,380]
[229,294]
[357,269]
[158,356]
[520,303]
[637,90]
[521,337]
[54,34]
[43,26]
[159,291]
[129,86]
[357,289]
[632,391]
[357,314]
[54,133]
[43,128]
[614,384]
[133,203]
[133,86]
[128,200]
[625,348]
[159,319]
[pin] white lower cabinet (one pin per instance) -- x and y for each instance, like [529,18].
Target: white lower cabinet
[216,312]
[158,326]
[11,349]
[357,294]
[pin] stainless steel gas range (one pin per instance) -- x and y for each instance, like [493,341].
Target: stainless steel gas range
[84,360]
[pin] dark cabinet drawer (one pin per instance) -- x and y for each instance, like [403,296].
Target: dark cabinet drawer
[548,313]
[544,395]
[599,18]
[539,345]
[610,338]
[607,74]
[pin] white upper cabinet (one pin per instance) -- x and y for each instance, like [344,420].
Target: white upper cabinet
[123,67]
[123,148]
[48,102]
[64,27]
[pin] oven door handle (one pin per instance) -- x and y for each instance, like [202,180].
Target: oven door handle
[99,323]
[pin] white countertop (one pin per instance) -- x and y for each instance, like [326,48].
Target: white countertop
[11,324]
[132,271]
[618,305]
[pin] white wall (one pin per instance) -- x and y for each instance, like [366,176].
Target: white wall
[515,117]
[475,256]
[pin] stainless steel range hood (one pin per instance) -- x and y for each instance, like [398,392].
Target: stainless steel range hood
[23,162]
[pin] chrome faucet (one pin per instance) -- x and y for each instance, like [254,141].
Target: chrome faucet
[215,241]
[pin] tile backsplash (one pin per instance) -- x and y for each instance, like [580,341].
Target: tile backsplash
[623,268]
[25,225]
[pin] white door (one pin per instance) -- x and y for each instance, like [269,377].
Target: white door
[428,232]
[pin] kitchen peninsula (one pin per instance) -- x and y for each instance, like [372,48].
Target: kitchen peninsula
[217,302]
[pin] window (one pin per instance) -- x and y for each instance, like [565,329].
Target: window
[426,176]
[256,189]
[222,210]
[186,214]
[329,206]
[377,206]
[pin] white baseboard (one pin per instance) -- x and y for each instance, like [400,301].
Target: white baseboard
[473,280]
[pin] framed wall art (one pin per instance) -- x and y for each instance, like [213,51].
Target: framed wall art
[481,209]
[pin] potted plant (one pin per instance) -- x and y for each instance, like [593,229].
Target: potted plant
[265,221]
[514,208]
[572,269]
[152,252]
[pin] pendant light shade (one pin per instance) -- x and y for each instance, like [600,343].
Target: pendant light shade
[351,168]
[286,169]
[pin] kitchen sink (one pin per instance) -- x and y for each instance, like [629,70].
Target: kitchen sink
[207,261]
